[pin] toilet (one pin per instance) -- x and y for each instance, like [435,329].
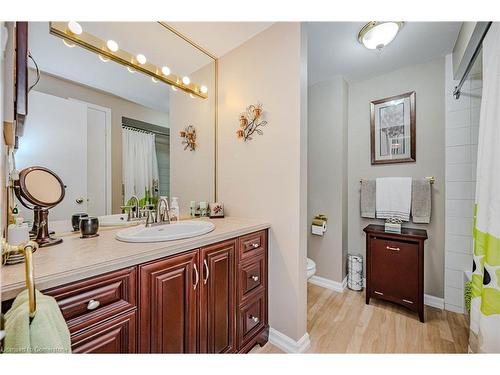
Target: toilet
[311,268]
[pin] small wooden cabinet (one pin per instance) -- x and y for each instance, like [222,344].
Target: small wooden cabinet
[207,300]
[395,266]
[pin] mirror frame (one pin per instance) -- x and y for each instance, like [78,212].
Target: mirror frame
[23,192]
[23,43]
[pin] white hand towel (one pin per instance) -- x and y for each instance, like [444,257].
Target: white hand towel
[393,198]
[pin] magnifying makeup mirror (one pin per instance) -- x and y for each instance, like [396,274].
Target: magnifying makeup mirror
[39,189]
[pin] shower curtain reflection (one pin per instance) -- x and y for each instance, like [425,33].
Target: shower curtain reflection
[140,165]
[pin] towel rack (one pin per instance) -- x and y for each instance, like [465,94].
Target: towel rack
[27,249]
[431,179]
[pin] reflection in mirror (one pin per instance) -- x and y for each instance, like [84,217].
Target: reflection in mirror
[112,132]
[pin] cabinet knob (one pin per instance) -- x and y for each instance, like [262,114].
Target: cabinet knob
[255,319]
[255,245]
[93,304]
[254,278]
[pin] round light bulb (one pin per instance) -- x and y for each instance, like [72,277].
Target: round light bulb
[204,89]
[103,59]
[174,88]
[186,80]
[130,70]
[165,70]
[380,35]
[75,27]
[68,44]
[141,59]
[112,45]
[154,80]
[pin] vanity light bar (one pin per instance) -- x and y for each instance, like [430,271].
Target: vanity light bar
[97,45]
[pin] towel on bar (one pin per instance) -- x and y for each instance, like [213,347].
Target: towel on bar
[47,333]
[368,199]
[393,198]
[421,201]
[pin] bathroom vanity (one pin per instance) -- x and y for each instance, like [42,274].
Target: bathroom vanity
[206,294]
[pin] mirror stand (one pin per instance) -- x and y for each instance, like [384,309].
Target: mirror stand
[40,230]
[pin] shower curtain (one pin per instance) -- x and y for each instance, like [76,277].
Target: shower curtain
[139,166]
[485,304]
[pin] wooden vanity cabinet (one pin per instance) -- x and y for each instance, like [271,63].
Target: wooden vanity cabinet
[207,300]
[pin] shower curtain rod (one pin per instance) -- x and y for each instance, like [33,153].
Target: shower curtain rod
[144,131]
[485,26]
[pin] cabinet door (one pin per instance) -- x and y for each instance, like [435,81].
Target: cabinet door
[217,295]
[168,292]
[394,269]
[116,336]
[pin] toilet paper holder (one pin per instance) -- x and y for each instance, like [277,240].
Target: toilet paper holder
[318,226]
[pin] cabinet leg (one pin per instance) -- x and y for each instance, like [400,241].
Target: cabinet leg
[421,315]
[367,298]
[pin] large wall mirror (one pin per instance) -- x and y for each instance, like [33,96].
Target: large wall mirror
[107,112]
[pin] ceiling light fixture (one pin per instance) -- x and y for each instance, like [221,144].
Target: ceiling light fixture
[186,80]
[75,27]
[141,59]
[112,45]
[377,35]
[165,70]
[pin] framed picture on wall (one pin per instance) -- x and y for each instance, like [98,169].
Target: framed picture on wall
[392,129]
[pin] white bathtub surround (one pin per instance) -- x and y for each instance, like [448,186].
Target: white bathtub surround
[462,120]
[485,303]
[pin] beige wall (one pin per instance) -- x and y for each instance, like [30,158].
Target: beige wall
[427,80]
[192,173]
[461,44]
[119,108]
[266,177]
[327,175]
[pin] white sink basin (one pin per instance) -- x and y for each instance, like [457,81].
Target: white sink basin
[113,220]
[166,232]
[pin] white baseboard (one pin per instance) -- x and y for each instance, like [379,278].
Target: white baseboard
[432,301]
[454,308]
[287,344]
[329,284]
[339,287]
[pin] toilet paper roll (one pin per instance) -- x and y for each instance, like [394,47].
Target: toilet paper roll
[318,230]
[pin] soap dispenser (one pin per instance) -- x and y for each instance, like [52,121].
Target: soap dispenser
[174,210]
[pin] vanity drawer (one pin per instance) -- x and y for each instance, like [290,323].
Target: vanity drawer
[90,301]
[252,244]
[251,278]
[251,318]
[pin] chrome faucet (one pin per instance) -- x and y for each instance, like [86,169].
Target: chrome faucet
[159,216]
[133,210]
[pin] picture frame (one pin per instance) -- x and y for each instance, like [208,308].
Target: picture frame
[393,129]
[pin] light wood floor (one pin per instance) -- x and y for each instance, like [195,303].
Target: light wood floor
[343,323]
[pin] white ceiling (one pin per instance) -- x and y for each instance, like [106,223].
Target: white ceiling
[333,49]
[219,38]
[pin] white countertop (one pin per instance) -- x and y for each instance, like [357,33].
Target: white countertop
[76,259]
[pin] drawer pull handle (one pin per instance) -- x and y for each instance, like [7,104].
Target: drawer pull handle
[207,271]
[392,248]
[93,304]
[379,293]
[196,276]
[254,278]
[405,300]
[254,318]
